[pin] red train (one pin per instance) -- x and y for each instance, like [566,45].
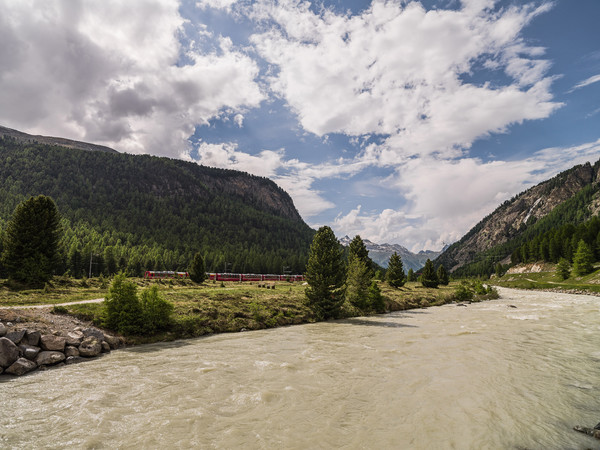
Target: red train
[253,277]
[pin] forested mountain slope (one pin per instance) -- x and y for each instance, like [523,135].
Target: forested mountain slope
[570,197]
[149,213]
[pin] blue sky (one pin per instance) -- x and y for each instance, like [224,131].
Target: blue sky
[402,121]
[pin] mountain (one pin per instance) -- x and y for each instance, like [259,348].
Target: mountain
[21,137]
[149,213]
[380,253]
[572,197]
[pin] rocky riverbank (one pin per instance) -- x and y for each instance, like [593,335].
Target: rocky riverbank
[37,339]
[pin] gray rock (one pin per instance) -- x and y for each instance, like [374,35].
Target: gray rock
[74,359]
[49,357]
[94,332]
[32,338]
[16,336]
[71,351]
[2,329]
[90,346]
[50,342]
[74,338]
[113,341]
[29,351]
[21,366]
[9,352]
[105,347]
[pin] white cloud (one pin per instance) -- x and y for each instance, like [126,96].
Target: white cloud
[405,76]
[216,4]
[109,72]
[587,82]
[448,197]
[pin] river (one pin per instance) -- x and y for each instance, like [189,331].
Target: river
[515,373]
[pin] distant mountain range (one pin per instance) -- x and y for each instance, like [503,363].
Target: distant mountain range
[380,253]
[570,197]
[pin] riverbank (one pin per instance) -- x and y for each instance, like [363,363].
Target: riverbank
[199,310]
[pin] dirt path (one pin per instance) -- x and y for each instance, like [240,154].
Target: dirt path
[95,300]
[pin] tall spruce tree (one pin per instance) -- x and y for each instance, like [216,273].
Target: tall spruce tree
[359,274]
[563,269]
[395,273]
[583,259]
[197,271]
[31,241]
[443,276]
[410,276]
[325,275]
[429,277]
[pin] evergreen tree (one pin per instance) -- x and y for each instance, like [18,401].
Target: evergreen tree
[411,275]
[429,277]
[583,259]
[443,276]
[395,274]
[197,271]
[358,249]
[124,312]
[358,280]
[563,269]
[325,275]
[376,302]
[31,241]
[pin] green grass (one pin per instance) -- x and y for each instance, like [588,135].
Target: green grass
[211,308]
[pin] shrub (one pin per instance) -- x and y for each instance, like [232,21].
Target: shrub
[156,311]
[463,293]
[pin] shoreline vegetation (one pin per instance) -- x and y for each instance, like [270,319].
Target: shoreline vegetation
[198,309]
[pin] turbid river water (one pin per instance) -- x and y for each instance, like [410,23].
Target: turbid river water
[483,376]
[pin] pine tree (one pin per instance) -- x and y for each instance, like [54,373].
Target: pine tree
[197,271]
[583,259]
[358,280]
[395,274]
[429,277]
[359,274]
[563,269]
[325,275]
[443,276]
[411,275]
[357,248]
[31,241]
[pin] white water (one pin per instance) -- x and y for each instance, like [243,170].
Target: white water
[482,376]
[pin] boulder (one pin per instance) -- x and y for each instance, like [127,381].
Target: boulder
[50,342]
[94,332]
[90,346]
[16,336]
[113,341]
[32,338]
[74,338]
[21,366]
[2,329]
[9,352]
[105,347]
[71,351]
[49,357]
[74,359]
[29,351]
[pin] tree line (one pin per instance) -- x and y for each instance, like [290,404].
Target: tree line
[135,213]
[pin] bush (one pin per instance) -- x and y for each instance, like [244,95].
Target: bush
[127,314]
[463,293]
[156,311]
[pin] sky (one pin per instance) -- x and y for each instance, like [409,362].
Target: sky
[402,121]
